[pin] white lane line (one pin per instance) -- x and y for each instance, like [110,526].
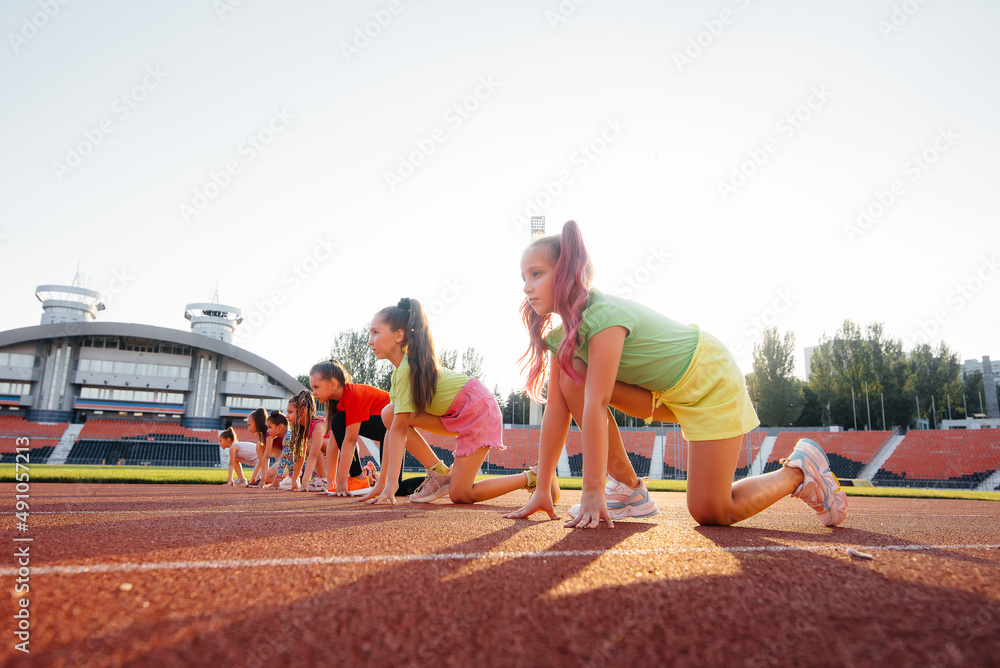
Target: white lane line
[461,556]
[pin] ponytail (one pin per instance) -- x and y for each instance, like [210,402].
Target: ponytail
[228,434]
[331,370]
[572,279]
[259,421]
[408,316]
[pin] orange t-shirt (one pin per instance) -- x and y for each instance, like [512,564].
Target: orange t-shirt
[360,402]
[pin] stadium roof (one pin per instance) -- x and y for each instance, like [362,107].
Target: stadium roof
[66,329]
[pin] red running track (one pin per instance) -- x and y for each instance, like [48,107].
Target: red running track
[172,575]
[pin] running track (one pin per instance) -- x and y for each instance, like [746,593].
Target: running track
[175,575]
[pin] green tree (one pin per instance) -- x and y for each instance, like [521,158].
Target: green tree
[472,363]
[351,348]
[304,379]
[771,385]
[448,358]
[973,391]
[935,377]
[517,408]
[812,411]
[845,367]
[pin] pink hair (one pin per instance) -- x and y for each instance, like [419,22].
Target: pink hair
[571,283]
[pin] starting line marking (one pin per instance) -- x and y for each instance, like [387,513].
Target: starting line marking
[463,556]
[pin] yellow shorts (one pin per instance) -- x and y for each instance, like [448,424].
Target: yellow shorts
[710,401]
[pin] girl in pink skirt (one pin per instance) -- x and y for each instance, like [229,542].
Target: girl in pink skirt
[436,399]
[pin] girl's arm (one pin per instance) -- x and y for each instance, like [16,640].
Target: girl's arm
[555,427]
[602,371]
[347,449]
[315,451]
[239,464]
[392,464]
[229,476]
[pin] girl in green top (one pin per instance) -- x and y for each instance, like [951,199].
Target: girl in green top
[612,352]
[439,400]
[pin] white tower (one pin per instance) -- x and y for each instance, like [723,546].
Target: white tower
[537,227]
[68,303]
[214,320]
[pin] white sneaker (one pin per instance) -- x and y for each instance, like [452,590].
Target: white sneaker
[286,483]
[432,488]
[624,501]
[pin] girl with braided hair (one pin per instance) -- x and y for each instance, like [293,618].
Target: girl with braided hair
[305,432]
[610,351]
[439,400]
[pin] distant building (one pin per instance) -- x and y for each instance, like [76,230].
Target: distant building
[71,367]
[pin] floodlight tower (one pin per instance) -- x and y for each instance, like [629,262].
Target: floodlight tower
[537,227]
[68,303]
[214,320]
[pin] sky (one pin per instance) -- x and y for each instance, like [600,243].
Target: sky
[735,164]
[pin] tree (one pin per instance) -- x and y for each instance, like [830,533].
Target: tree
[448,358]
[771,385]
[304,379]
[812,411]
[973,390]
[845,367]
[935,377]
[472,363]
[517,409]
[350,347]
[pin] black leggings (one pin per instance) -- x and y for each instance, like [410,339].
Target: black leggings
[373,428]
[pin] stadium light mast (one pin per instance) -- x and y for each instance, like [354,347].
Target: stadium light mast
[68,303]
[214,320]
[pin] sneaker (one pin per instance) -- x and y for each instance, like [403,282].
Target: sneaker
[624,501]
[358,486]
[432,488]
[286,483]
[532,479]
[820,489]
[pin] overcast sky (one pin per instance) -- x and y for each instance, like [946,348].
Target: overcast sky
[731,163]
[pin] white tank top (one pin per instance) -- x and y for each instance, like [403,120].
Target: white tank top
[246,453]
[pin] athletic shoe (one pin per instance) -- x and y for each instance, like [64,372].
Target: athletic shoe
[820,489]
[532,479]
[358,486]
[624,501]
[432,488]
[286,483]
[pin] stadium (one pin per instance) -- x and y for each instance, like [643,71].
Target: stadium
[89,392]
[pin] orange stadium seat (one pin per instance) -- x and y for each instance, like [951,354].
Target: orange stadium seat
[960,458]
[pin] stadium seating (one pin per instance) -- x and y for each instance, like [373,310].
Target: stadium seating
[848,451]
[136,442]
[952,458]
[42,438]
